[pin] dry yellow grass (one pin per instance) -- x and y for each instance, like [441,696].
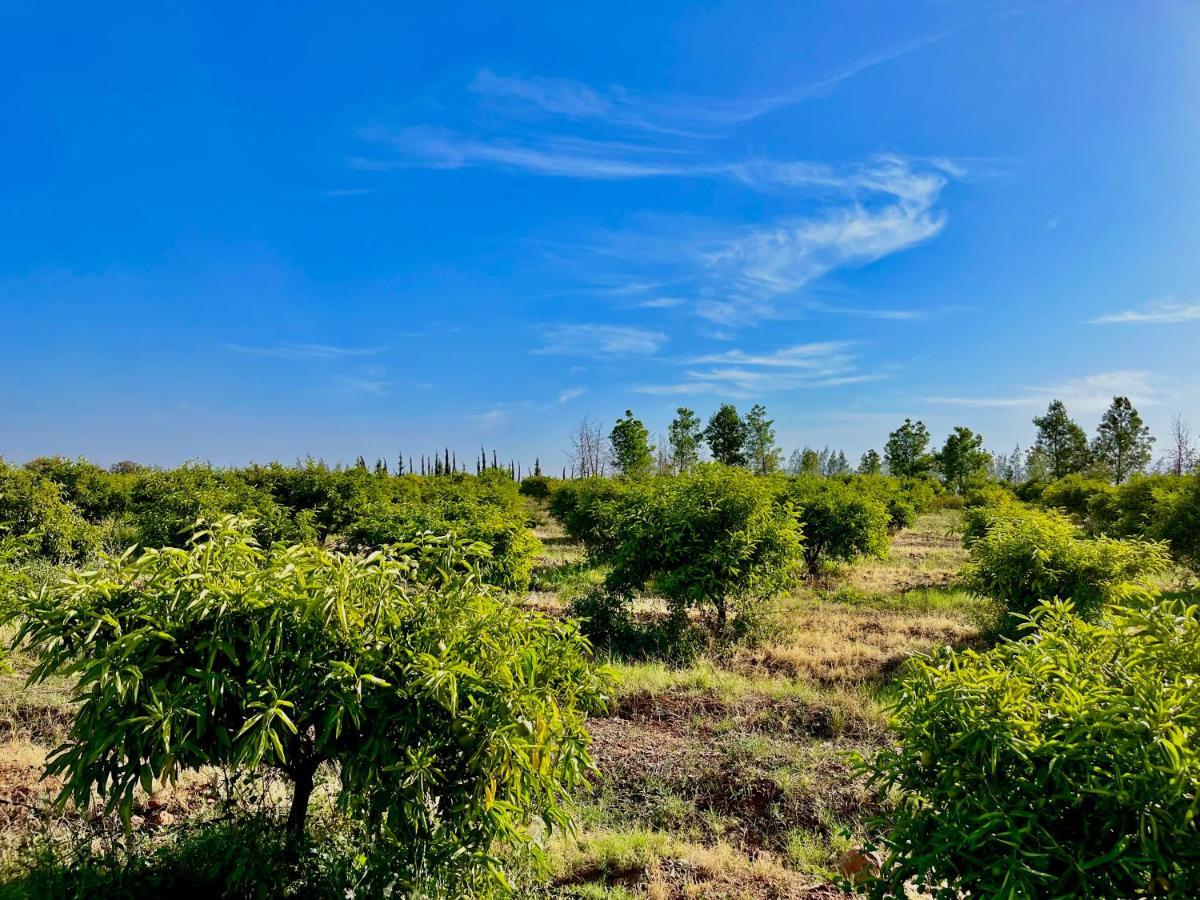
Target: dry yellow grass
[831,643]
[658,867]
[930,554]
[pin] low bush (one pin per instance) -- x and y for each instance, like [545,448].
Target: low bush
[1075,493]
[1061,765]
[988,495]
[454,719]
[500,543]
[607,619]
[32,507]
[1178,523]
[537,487]
[713,539]
[585,508]
[903,503]
[978,517]
[840,521]
[1026,556]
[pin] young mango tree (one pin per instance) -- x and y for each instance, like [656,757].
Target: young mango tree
[1024,556]
[1061,765]
[451,718]
[841,521]
[711,539]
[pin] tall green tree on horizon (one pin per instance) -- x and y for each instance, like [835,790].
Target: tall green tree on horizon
[726,436]
[1122,443]
[762,453]
[906,451]
[684,434]
[630,443]
[871,463]
[1061,444]
[962,459]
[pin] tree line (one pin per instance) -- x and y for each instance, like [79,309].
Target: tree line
[1122,446]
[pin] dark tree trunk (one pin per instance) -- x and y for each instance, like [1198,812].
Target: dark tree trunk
[303,776]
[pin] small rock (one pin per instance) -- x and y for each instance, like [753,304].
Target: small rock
[136,821]
[859,865]
[154,803]
[161,818]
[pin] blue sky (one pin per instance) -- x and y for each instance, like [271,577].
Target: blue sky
[240,233]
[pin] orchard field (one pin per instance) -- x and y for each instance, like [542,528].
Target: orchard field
[699,679]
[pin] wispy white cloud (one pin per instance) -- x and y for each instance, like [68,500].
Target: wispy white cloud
[736,373]
[747,276]
[304,351]
[600,340]
[547,155]
[568,394]
[673,114]
[738,275]
[1162,312]
[1086,394]
[825,356]
[729,274]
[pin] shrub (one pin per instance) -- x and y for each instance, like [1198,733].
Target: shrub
[900,502]
[585,508]
[32,506]
[1074,494]
[500,543]
[712,539]
[979,517]
[453,718]
[839,520]
[950,501]
[536,487]
[1177,521]
[989,495]
[920,492]
[1027,556]
[1030,491]
[1064,764]
[607,619]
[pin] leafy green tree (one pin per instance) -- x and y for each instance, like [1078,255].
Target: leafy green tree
[453,718]
[1061,446]
[1075,749]
[762,453]
[962,460]
[839,521]
[1021,556]
[712,539]
[685,434]
[871,463]
[906,451]
[631,450]
[726,436]
[1122,444]
[32,507]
